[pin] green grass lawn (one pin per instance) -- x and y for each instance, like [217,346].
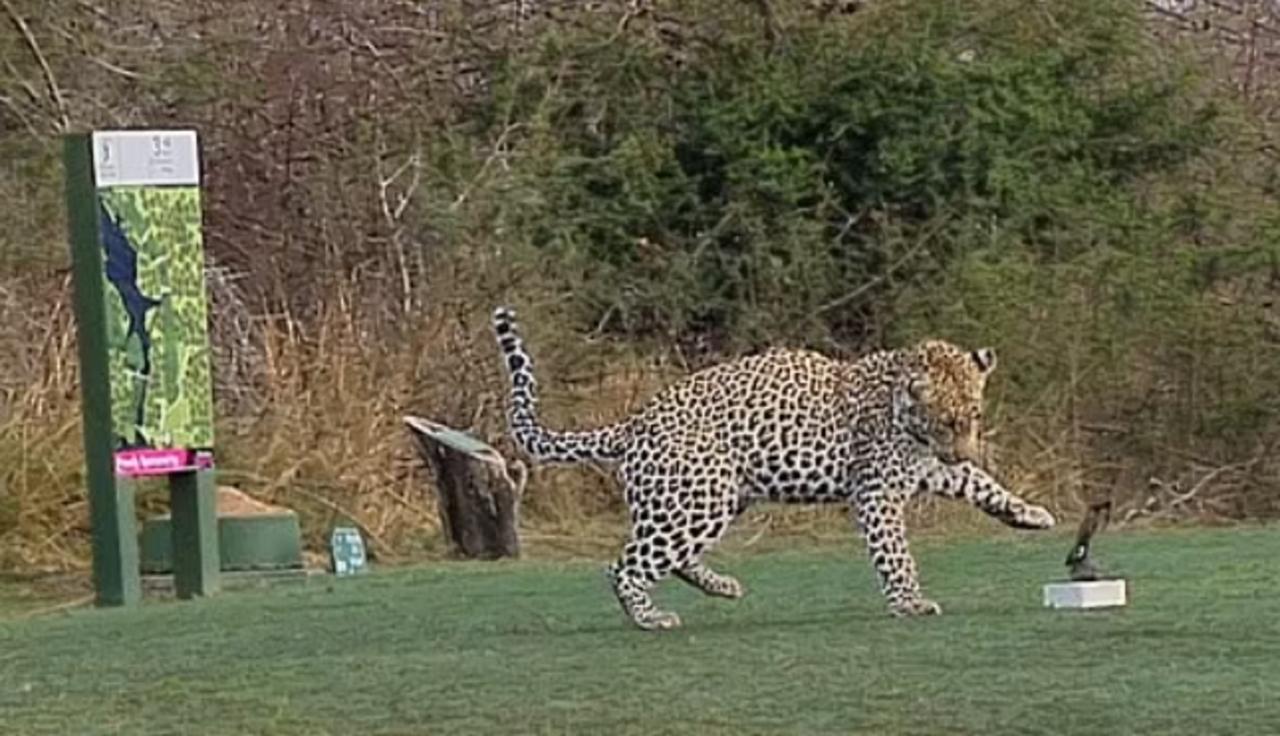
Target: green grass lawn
[541,648]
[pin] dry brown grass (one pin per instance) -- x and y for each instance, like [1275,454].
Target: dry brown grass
[321,429]
[42,511]
[324,434]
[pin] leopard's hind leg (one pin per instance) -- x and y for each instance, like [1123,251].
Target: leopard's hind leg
[631,576]
[708,522]
[651,553]
[678,513]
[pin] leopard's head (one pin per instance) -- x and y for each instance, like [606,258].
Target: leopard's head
[940,400]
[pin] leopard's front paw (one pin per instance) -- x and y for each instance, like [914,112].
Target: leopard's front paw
[914,606]
[1032,517]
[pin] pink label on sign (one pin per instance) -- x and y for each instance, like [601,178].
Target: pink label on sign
[151,461]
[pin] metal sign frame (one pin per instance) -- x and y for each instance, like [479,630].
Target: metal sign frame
[137,262]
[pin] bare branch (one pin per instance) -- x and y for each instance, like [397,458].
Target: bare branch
[21,116]
[499,149]
[72,38]
[55,92]
[915,248]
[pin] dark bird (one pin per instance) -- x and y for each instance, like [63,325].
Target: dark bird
[1081,567]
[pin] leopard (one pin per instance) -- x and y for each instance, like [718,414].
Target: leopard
[784,425]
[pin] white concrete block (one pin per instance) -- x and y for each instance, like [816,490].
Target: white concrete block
[1086,594]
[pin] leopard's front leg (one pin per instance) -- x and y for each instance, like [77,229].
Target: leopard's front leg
[971,483]
[881,519]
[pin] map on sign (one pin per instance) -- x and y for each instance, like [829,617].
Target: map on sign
[153,270]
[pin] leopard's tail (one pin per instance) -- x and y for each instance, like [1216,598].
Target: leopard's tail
[545,445]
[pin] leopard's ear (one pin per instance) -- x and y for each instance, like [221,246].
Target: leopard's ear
[984,358]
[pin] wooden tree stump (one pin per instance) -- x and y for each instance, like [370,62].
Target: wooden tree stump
[478,499]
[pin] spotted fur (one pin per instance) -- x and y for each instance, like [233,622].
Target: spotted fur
[786,426]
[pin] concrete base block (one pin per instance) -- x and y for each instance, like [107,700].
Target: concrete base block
[1086,594]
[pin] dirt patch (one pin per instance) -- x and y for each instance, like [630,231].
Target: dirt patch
[234,502]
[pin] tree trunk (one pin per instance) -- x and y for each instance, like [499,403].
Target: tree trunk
[478,500]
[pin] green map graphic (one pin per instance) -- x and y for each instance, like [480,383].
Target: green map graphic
[161,386]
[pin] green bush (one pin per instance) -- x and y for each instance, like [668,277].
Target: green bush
[1044,178]
[759,190]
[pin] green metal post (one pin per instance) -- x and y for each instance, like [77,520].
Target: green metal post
[115,542]
[193,504]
